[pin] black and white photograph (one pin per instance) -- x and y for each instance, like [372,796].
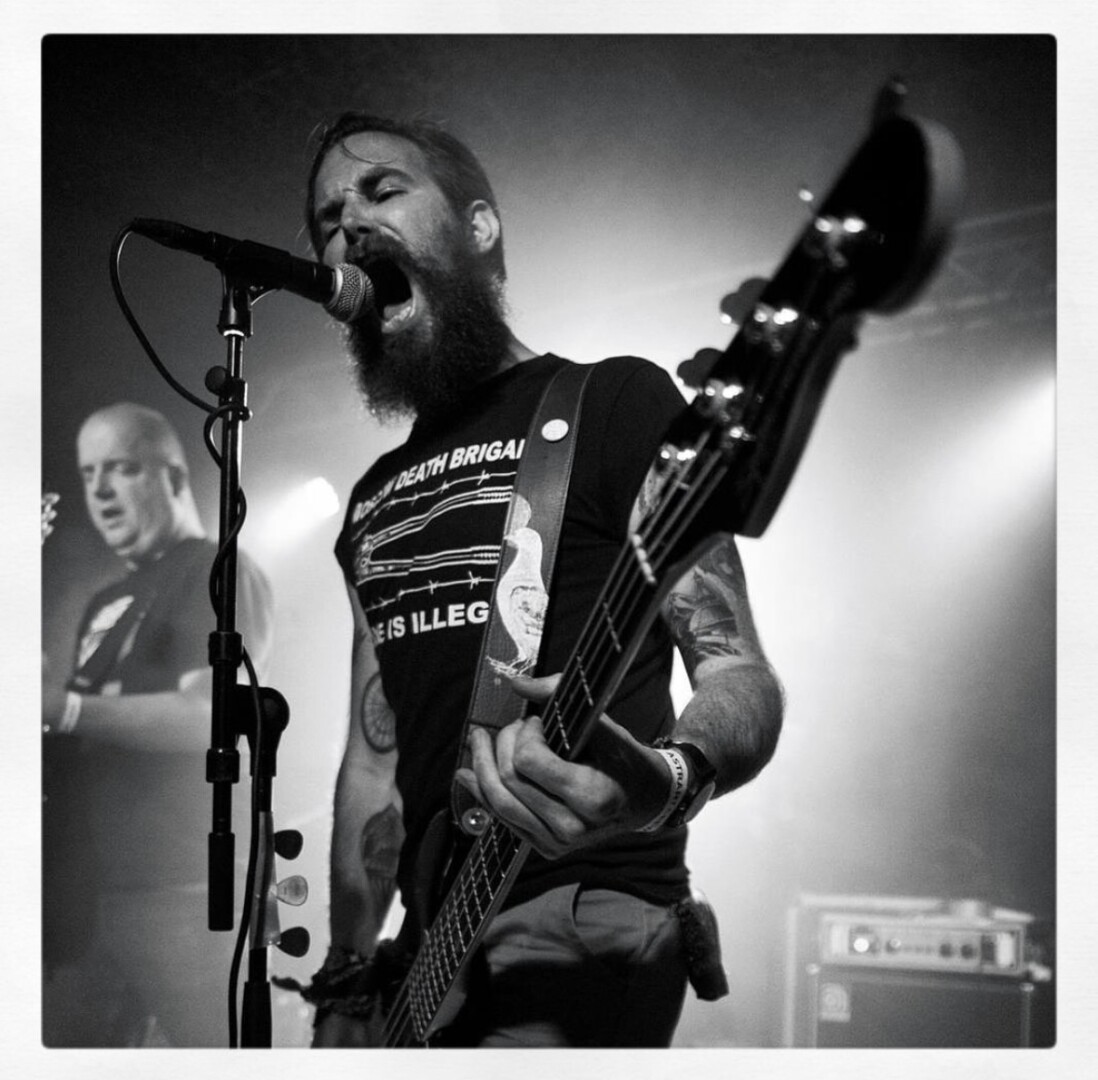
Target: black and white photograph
[551,540]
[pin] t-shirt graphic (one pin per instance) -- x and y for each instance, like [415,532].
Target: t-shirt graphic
[415,559]
[101,624]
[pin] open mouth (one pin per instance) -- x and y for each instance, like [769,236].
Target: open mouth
[394,294]
[112,521]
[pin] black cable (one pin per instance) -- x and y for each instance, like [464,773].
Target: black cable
[116,284]
[250,873]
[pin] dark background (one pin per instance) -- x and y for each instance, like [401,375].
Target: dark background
[906,589]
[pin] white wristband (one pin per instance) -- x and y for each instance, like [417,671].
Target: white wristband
[71,712]
[677,764]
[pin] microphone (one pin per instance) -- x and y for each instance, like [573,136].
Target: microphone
[344,290]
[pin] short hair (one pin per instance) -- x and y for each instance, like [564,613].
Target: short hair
[152,428]
[453,166]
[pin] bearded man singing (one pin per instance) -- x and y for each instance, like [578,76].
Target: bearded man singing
[589,946]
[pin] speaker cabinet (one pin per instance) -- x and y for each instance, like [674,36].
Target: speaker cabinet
[844,1007]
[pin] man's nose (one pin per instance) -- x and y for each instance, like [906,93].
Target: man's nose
[358,216]
[101,486]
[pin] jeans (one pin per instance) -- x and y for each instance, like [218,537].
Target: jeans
[584,967]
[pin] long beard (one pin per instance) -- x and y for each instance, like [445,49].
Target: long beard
[433,367]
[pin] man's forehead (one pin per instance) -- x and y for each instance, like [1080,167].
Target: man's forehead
[374,149]
[101,438]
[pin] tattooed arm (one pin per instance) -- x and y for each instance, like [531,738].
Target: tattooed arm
[619,784]
[735,713]
[366,833]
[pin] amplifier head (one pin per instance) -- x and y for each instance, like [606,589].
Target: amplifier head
[902,971]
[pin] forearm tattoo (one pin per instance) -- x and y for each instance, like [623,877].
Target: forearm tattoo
[379,847]
[377,718]
[707,611]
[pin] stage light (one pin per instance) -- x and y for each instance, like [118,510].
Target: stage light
[997,466]
[991,488]
[281,524]
[315,500]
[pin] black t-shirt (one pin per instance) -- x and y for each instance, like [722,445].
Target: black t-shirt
[421,544]
[117,817]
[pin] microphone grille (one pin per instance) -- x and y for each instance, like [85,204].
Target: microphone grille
[356,291]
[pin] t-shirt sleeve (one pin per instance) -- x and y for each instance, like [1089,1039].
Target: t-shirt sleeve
[255,614]
[188,616]
[640,400]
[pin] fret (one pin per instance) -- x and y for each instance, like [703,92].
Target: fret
[460,938]
[609,623]
[492,837]
[446,974]
[467,929]
[554,716]
[583,680]
[446,949]
[420,1015]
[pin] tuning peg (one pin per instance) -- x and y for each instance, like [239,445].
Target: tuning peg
[890,100]
[288,843]
[295,941]
[695,371]
[293,890]
[736,306]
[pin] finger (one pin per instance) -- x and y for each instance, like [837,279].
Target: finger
[531,758]
[494,793]
[610,747]
[539,689]
[468,780]
[575,800]
[530,812]
[524,760]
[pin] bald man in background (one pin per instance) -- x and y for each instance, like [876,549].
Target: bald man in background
[127,958]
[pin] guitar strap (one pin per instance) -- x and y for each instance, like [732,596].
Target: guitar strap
[528,553]
[103,655]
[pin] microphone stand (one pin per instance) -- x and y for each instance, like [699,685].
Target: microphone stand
[225,645]
[233,707]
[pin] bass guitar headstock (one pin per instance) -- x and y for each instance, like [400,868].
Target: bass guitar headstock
[870,246]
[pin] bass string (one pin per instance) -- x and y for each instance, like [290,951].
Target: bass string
[628,589]
[481,877]
[436,966]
